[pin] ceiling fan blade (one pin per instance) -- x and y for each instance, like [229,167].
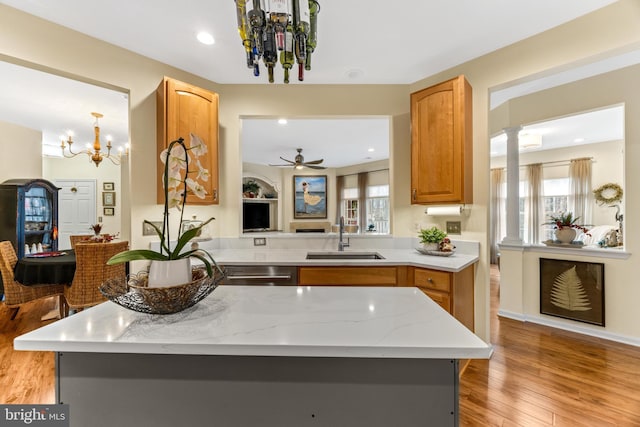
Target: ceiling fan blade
[280,165]
[286,160]
[313,167]
[313,162]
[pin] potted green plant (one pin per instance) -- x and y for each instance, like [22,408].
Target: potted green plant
[250,189]
[177,182]
[431,238]
[565,226]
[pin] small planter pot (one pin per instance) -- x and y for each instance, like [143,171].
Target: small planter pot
[431,246]
[565,235]
[170,273]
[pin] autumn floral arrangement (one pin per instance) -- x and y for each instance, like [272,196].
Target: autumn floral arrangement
[97,236]
[178,166]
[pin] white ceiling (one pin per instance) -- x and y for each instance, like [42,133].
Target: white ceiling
[589,127]
[371,42]
[400,45]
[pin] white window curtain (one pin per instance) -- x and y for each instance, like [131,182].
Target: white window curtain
[498,212]
[580,194]
[533,207]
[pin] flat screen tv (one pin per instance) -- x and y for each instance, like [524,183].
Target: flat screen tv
[255,217]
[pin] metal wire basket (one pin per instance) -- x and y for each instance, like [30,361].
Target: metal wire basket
[135,293]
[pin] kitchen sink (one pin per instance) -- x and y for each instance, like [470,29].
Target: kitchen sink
[344,255]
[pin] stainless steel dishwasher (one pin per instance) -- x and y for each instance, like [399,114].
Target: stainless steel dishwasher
[261,275]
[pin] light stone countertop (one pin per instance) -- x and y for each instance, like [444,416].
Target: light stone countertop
[318,321]
[256,256]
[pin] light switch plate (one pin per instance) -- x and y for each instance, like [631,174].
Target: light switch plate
[148,230]
[454,227]
[259,241]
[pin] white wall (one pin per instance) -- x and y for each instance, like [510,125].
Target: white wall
[21,150]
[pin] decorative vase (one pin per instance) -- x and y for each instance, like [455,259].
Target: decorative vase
[565,235]
[170,273]
[432,246]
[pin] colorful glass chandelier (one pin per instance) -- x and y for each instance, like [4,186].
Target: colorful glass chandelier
[283,31]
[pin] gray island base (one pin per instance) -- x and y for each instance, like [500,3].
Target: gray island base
[264,356]
[229,391]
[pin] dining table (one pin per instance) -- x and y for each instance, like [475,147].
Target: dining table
[56,267]
[46,267]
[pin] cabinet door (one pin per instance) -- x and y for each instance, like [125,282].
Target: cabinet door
[441,143]
[184,109]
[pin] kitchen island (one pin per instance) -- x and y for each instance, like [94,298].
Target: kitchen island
[267,356]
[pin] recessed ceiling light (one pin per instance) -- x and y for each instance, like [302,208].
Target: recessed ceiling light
[205,38]
[354,73]
[282,121]
[371,150]
[578,140]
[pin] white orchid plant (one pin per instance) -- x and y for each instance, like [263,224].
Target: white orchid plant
[177,158]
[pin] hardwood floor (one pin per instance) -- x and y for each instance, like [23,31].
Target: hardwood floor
[538,376]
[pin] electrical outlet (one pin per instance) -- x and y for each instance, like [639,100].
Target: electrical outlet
[454,227]
[259,241]
[99,219]
[147,230]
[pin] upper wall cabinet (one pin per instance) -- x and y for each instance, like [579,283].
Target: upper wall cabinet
[184,109]
[441,144]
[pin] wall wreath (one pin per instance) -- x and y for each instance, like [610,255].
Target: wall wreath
[608,194]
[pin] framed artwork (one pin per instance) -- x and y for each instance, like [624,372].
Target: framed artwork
[108,186]
[108,198]
[108,211]
[309,196]
[572,290]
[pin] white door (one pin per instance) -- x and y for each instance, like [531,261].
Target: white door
[76,208]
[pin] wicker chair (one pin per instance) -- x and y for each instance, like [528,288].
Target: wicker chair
[73,239]
[16,293]
[91,271]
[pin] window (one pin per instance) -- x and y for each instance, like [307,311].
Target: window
[375,204]
[554,201]
[378,209]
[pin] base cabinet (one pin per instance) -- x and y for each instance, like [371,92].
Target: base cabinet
[452,291]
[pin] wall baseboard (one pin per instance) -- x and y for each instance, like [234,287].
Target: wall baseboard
[570,327]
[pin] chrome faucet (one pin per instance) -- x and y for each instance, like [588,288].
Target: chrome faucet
[341,244]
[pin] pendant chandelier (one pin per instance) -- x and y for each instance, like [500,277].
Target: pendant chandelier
[94,152]
[284,31]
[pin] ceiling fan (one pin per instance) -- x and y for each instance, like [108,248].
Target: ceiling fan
[299,162]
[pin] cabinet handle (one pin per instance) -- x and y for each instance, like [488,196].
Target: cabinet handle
[430,280]
[215,194]
[414,193]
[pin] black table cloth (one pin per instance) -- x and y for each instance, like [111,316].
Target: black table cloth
[35,271]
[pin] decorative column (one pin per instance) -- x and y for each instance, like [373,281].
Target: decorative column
[513,187]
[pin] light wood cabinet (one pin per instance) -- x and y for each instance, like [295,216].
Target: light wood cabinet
[441,143]
[183,109]
[452,291]
[352,276]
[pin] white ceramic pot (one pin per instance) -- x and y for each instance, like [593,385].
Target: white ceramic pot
[431,246]
[565,235]
[170,273]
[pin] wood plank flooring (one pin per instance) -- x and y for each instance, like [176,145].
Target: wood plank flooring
[538,376]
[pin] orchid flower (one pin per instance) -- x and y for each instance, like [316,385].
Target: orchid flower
[196,188]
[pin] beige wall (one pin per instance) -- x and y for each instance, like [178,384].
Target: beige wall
[611,30]
[14,142]
[30,39]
